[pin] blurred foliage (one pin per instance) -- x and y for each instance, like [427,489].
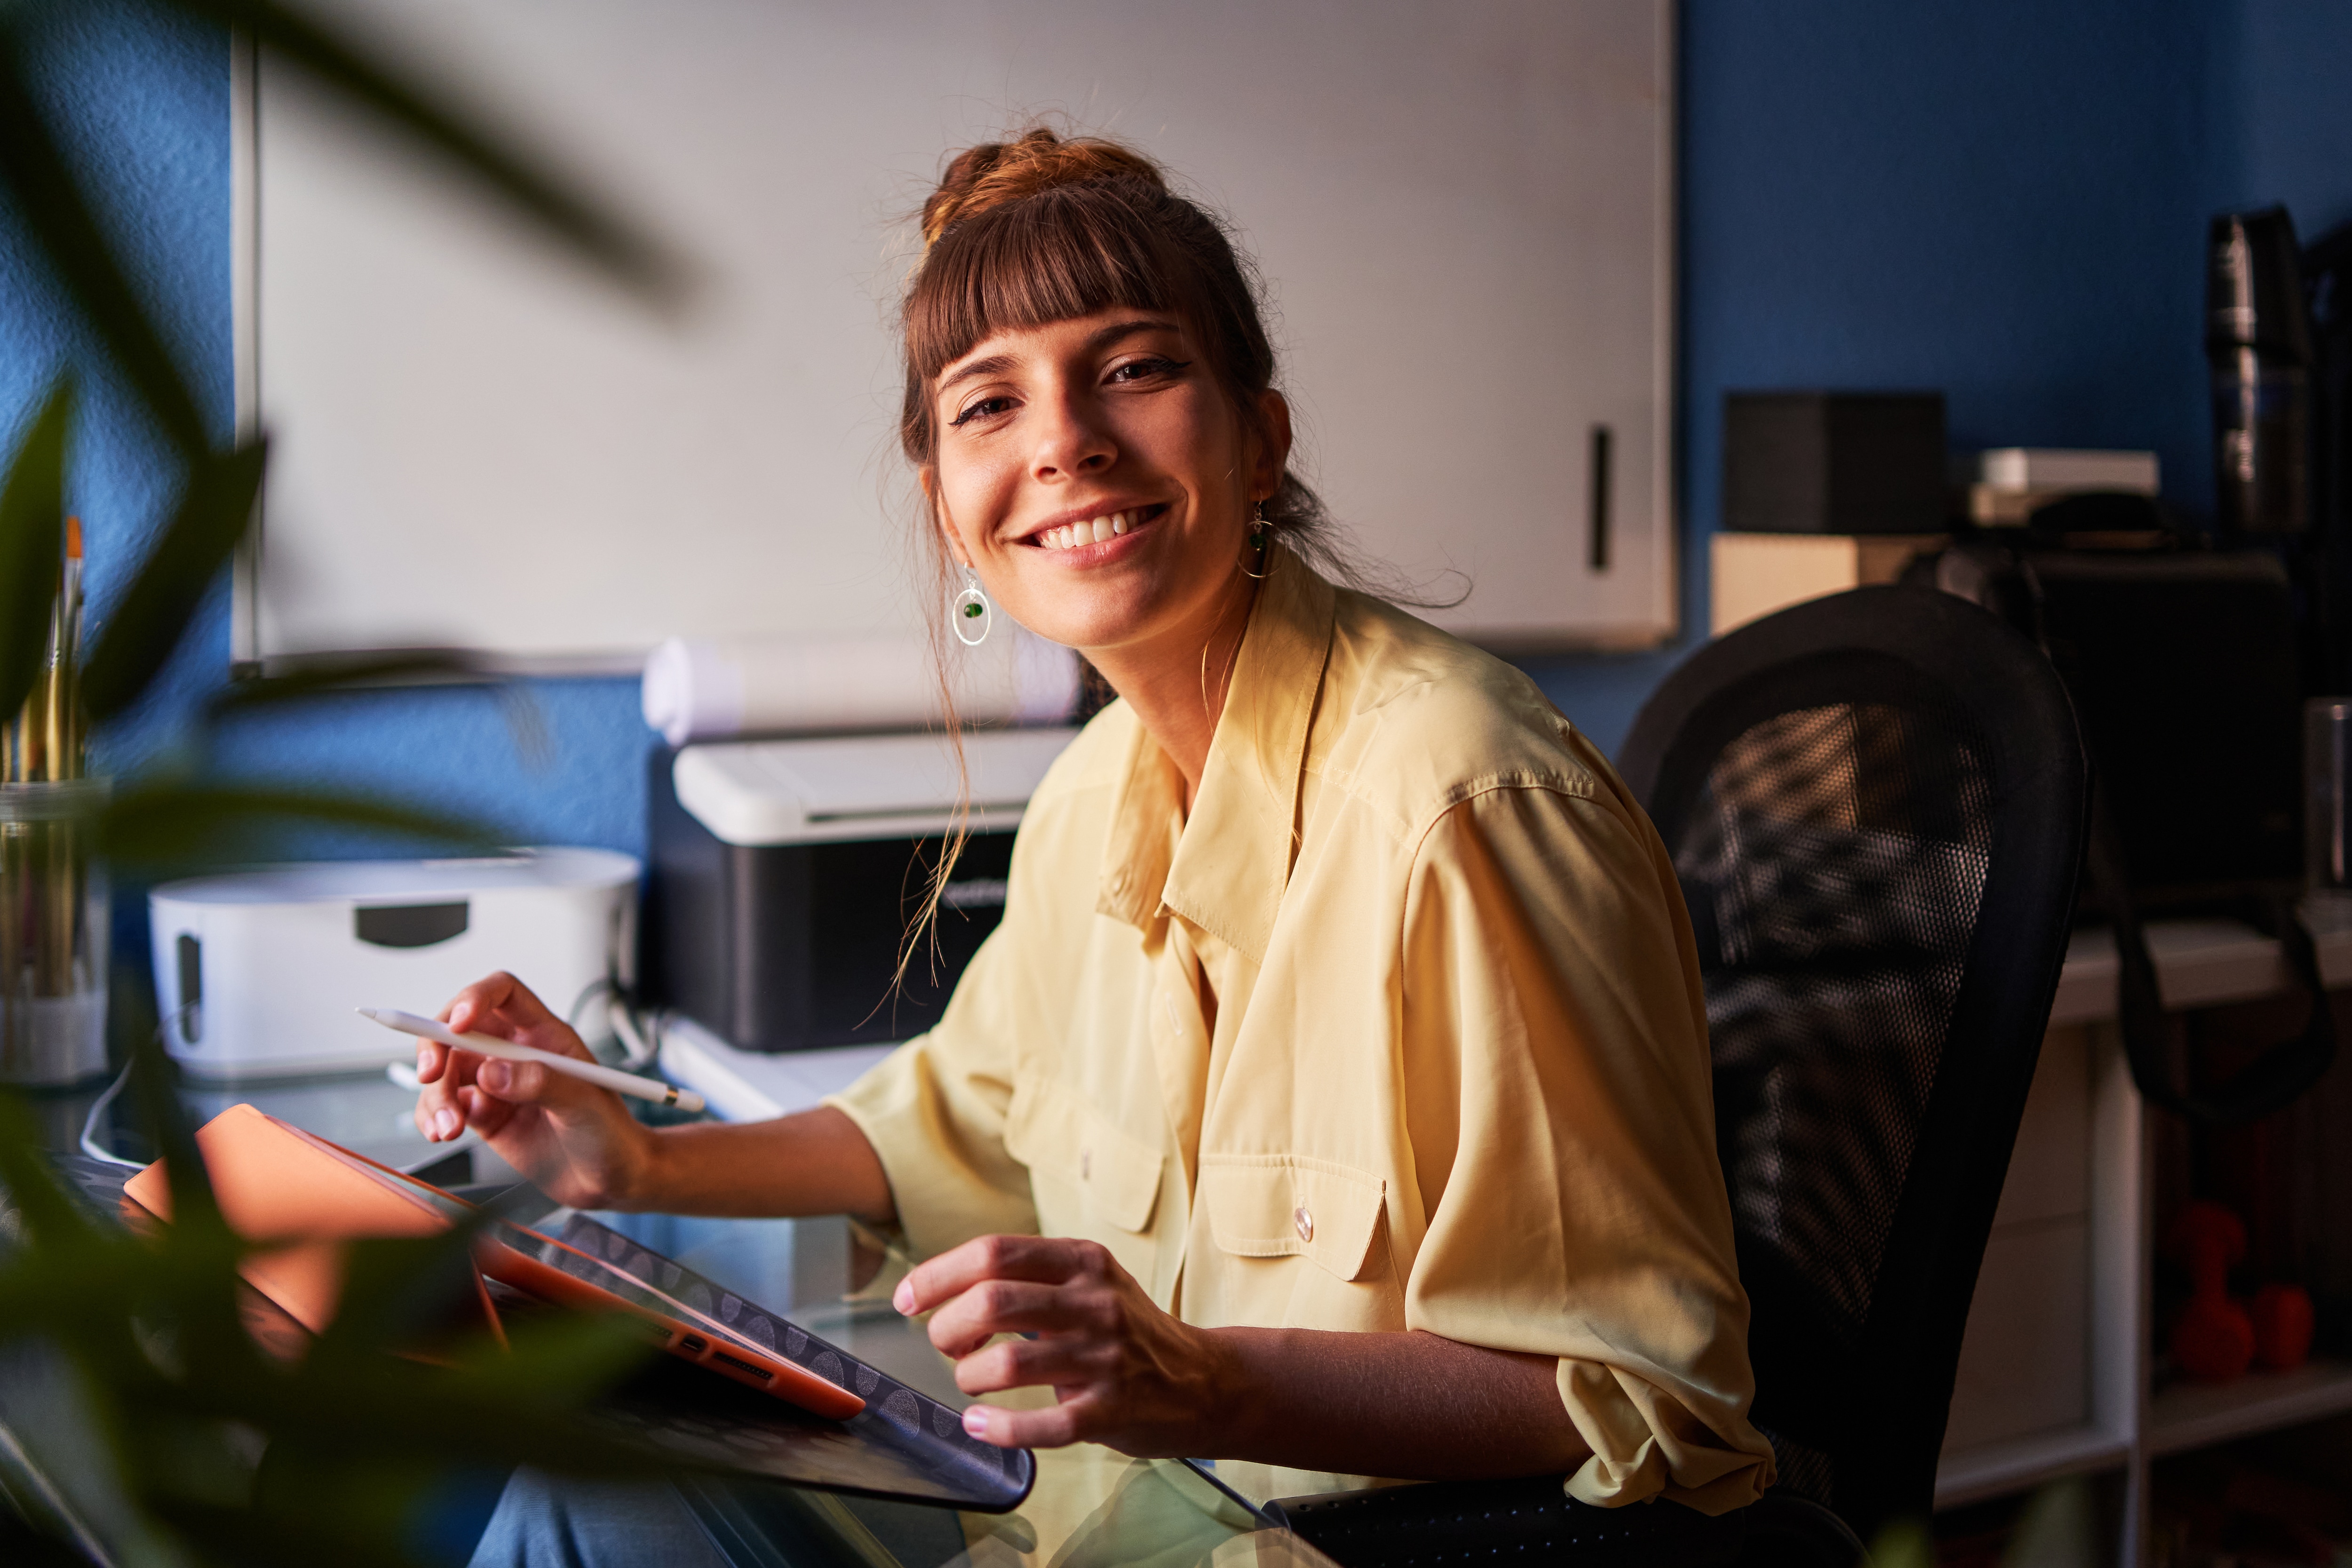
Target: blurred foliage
[140,1345]
[172,1436]
[2057,1527]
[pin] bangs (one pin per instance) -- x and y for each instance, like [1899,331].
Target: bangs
[1058,255]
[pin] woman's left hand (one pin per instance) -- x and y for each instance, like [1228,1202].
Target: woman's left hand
[1124,1372]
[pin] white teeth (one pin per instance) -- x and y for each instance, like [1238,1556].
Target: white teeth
[1094,531]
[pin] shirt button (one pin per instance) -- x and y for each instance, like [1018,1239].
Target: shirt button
[1303,1221]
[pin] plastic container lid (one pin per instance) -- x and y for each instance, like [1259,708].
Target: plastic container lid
[332,881]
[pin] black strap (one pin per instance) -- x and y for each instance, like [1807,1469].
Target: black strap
[2271,1082]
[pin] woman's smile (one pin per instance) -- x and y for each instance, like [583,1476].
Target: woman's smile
[1076,542]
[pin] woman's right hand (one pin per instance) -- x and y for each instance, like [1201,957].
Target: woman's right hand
[574,1142]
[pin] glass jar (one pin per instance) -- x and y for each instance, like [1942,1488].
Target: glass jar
[54,933]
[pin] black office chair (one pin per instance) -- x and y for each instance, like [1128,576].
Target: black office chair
[1876,803]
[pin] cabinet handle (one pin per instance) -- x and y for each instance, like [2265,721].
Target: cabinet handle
[1597,514]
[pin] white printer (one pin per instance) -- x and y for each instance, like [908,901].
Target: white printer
[257,971]
[784,873]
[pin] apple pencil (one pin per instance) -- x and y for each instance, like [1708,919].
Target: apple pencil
[507,1051]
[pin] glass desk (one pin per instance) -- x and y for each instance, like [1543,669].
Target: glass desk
[1090,1506]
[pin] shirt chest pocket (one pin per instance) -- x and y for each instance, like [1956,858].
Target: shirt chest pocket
[1056,1133]
[1289,1206]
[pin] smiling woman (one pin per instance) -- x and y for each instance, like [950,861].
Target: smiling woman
[1089,401]
[1333,1098]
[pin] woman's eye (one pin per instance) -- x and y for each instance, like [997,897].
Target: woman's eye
[1147,368]
[982,409]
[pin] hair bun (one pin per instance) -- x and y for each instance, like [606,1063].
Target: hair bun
[997,173]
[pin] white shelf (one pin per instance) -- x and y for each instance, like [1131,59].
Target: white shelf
[2194,1414]
[2198,963]
[753,1086]
[1995,1469]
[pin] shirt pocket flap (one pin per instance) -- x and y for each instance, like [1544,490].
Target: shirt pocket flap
[1053,1129]
[1287,1205]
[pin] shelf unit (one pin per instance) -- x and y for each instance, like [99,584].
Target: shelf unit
[2194,1416]
[2055,1374]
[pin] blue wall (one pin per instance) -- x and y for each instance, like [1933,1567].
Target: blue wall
[2000,199]
[2005,201]
[2292,130]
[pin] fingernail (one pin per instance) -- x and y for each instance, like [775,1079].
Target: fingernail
[975,1421]
[423,1056]
[445,1124]
[903,1298]
[496,1076]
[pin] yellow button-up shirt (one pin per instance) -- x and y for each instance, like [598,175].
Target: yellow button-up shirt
[1403,1029]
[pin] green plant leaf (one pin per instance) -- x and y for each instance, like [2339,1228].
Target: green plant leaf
[625,253]
[323,676]
[57,215]
[196,1213]
[356,1523]
[32,539]
[146,623]
[400,1292]
[363,1407]
[559,1359]
[172,826]
[194,1285]
[336,675]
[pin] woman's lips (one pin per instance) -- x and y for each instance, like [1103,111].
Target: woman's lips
[1090,538]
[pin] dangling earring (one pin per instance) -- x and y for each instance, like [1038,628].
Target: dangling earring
[970,609]
[1254,567]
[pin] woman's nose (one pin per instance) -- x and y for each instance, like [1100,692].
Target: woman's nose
[1071,442]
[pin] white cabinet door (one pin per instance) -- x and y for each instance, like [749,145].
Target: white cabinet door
[1462,214]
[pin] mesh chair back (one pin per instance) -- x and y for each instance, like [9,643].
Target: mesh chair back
[1875,803]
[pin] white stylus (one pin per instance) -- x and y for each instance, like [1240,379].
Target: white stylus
[507,1051]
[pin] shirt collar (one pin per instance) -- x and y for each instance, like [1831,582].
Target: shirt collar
[1226,871]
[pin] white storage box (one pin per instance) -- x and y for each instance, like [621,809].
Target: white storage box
[256,973]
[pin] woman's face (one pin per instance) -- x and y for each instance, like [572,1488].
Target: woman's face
[1099,481]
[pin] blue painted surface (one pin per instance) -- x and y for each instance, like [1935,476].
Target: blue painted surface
[1998,199]
[2294,139]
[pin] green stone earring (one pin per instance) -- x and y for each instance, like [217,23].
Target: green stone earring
[970,614]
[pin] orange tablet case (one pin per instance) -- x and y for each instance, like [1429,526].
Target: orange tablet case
[303,1198]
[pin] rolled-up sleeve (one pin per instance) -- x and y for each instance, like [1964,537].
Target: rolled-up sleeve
[1560,1110]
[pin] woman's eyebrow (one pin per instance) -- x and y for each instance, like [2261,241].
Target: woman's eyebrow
[1105,336]
[1101,338]
[979,367]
